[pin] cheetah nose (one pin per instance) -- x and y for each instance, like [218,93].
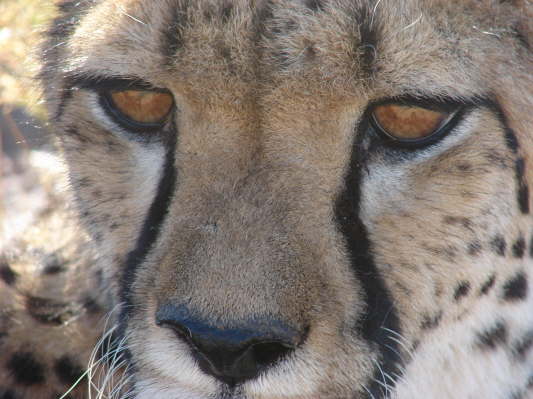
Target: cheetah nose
[232,355]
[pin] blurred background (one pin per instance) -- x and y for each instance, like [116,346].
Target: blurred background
[22,116]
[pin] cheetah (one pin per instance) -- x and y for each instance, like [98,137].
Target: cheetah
[268,199]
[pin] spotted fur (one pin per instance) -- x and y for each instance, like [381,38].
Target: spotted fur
[268,195]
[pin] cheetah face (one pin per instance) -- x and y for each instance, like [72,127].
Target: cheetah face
[300,199]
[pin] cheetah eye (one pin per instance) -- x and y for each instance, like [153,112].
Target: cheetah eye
[410,124]
[138,110]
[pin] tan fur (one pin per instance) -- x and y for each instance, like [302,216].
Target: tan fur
[268,105]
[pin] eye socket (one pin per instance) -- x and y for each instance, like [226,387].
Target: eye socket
[139,110]
[410,124]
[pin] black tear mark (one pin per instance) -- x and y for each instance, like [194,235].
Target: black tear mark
[461,290]
[7,275]
[523,189]
[522,347]
[151,226]
[491,338]
[498,245]
[26,369]
[430,322]
[531,247]
[487,285]
[516,288]
[380,314]
[519,247]
[67,370]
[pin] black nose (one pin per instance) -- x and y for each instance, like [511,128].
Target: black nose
[232,355]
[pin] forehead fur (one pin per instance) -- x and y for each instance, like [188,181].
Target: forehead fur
[415,44]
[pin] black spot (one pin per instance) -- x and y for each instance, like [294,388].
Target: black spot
[65,97]
[226,11]
[84,182]
[474,248]
[487,285]
[515,288]
[225,53]
[72,131]
[519,247]
[521,35]
[48,311]
[368,40]
[496,158]
[26,369]
[67,370]
[315,5]
[498,245]
[464,166]
[491,338]
[91,305]
[523,189]
[511,140]
[431,321]
[172,35]
[523,345]
[53,265]
[458,221]
[7,275]
[529,383]
[447,252]
[516,395]
[461,290]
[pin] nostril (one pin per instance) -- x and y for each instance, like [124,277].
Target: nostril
[268,353]
[180,330]
[231,354]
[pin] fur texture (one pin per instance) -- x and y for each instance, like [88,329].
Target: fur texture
[268,195]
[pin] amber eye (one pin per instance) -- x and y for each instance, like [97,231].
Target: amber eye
[139,109]
[409,123]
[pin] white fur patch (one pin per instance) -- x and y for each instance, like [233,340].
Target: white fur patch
[386,184]
[448,364]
